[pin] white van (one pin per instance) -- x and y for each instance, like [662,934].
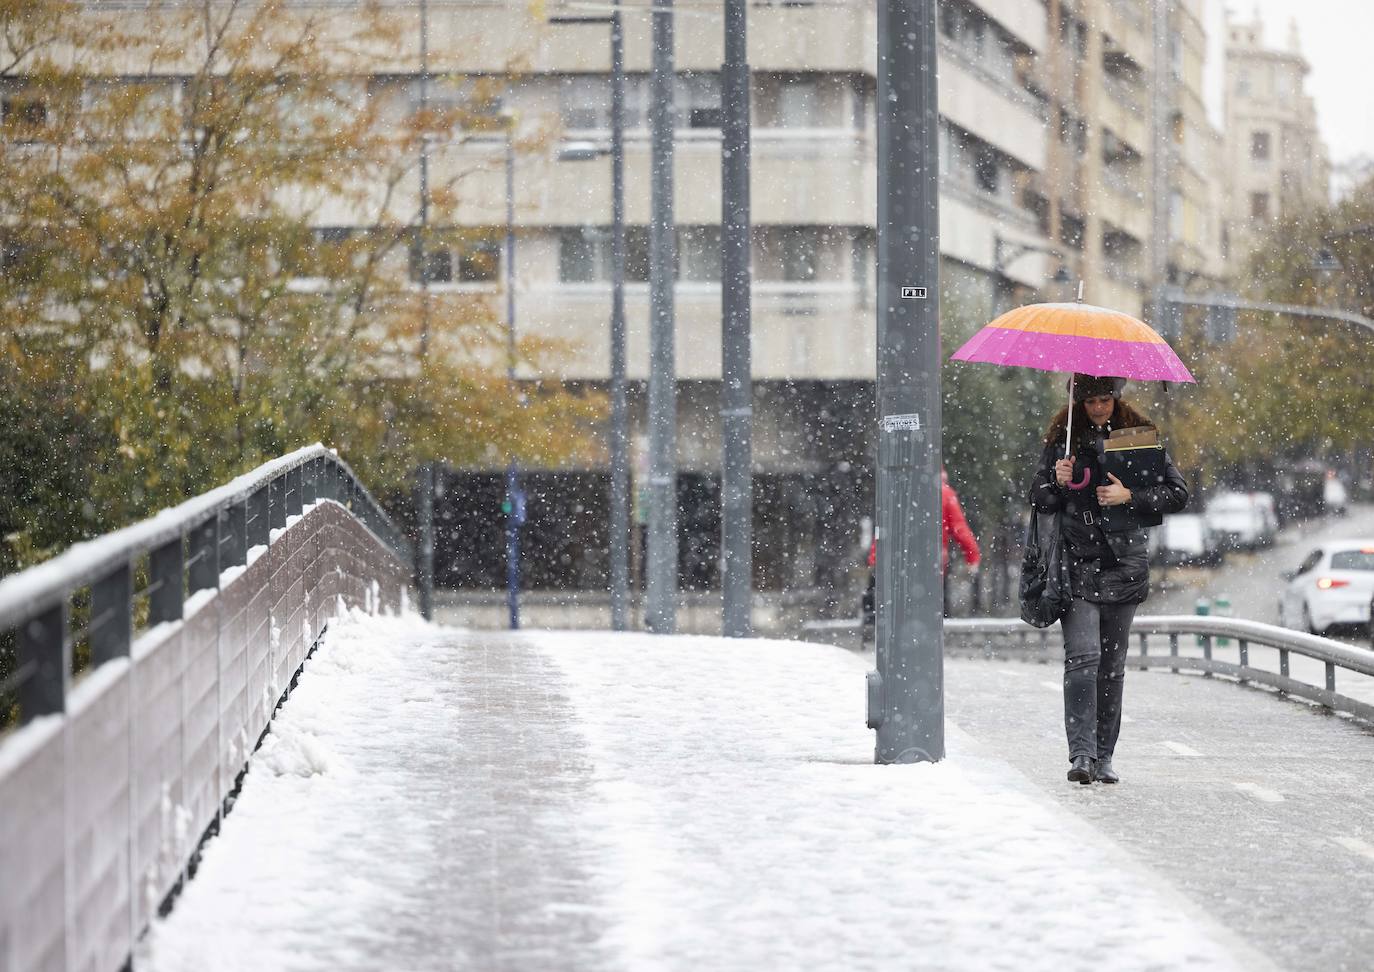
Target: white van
[1184,539]
[1240,521]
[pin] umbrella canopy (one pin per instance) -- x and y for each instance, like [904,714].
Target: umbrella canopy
[1076,337]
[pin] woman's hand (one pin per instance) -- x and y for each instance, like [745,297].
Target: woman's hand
[1114,493]
[1063,471]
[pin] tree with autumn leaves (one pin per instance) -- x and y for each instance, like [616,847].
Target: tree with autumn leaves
[1287,388]
[210,239]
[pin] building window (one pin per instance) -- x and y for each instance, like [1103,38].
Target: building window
[580,254]
[698,98]
[797,102]
[326,255]
[430,263]
[1259,205]
[987,170]
[800,251]
[23,116]
[698,249]
[479,261]
[475,259]
[1259,146]
[585,254]
[585,102]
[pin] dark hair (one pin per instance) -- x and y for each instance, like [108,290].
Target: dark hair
[1123,417]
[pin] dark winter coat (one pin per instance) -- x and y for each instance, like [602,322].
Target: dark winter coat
[1106,567]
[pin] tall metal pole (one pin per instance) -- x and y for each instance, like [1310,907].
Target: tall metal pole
[1161,167]
[515,500]
[620,418]
[660,609]
[736,406]
[906,693]
[425,486]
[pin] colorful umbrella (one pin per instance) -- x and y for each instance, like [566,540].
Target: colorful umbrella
[1076,338]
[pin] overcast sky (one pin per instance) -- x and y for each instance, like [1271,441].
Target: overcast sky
[1335,38]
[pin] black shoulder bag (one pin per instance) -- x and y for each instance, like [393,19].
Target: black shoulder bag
[1045,587]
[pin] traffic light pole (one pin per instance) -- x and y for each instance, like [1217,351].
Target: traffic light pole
[906,693]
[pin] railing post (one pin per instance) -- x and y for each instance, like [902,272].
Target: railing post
[203,543]
[42,643]
[294,499]
[235,536]
[165,566]
[112,628]
[276,503]
[1331,676]
[309,486]
[1207,652]
[1244,656]
[1173,650]
[1283,662]
[259,528]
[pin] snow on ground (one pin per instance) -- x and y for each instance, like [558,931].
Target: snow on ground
[636,802]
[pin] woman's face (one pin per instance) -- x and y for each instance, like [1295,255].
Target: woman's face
[1099,408]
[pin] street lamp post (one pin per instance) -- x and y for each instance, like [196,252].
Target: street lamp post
[736,407]
[660,609]
[619,533]
[515,498]
[425,487]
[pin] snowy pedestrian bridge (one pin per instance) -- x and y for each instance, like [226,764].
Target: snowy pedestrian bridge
[431,798]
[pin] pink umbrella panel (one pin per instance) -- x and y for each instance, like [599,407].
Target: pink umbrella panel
[1076,337]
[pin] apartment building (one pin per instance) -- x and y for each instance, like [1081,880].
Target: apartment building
[1276,160]
[1047,138]
[813,194]
[1194,154]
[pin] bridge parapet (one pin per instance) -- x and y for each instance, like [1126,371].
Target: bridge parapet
[196,623]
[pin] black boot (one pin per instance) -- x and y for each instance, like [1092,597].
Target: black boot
[1081,770]
[1104,773]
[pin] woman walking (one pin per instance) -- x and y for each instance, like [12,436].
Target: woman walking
[1109,568]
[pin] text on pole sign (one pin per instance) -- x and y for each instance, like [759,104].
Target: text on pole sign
[913,293]
[910,422]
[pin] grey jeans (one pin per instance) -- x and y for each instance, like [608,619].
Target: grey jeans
[1096,637]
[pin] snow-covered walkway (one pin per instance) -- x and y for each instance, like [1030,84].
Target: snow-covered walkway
[435,799]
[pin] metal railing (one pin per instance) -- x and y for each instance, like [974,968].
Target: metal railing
[1192,643]
[186,548]
[112,781]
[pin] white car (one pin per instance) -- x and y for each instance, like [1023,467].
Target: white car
[1333,585]
[1242,521]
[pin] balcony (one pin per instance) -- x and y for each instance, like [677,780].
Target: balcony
[822,330]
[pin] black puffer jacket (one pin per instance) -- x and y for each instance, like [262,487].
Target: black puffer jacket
[1106,567]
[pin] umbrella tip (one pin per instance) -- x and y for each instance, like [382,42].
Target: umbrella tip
[1080,291]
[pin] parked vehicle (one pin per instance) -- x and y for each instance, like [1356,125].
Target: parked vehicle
[1185,539]
[1332,586]
[1242,521]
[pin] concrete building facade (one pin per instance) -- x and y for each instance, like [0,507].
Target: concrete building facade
[1275,158]
[1072,136]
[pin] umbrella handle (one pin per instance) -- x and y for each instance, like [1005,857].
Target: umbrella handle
[1083,480]
[1068,428]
